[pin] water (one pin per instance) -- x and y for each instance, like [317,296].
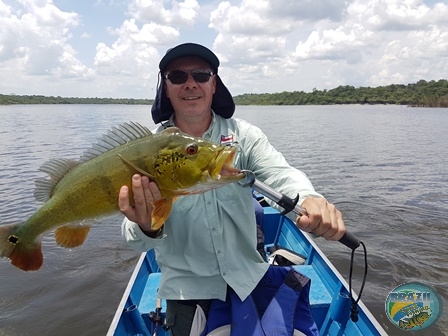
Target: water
[385,167]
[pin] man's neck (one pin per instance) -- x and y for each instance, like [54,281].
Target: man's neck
[195,126]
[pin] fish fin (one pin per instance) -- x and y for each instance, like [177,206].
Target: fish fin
[133,166]
[71,236]
[56,169]
[161,212]
[116,137]
[25,256]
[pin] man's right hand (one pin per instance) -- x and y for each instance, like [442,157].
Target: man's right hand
[145,193]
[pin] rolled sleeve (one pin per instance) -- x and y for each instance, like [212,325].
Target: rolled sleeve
[137,239]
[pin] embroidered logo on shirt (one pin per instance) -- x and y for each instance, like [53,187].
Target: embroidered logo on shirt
[227,139]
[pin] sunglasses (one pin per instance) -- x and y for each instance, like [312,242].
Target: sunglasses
[181,76]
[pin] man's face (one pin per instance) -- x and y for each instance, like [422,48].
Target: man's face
[191,98]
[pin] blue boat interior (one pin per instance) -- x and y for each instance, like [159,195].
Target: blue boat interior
[329,297]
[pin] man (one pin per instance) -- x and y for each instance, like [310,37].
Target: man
[209,241]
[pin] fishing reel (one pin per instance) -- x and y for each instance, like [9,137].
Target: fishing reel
[157,318]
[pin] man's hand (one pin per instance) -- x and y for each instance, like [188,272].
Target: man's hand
[323,219]
[145,193]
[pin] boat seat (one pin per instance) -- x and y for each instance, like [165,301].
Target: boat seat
[319,295]
[149,295]
[320,298]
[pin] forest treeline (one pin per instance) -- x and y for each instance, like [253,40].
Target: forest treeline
[16,99]
[423,93]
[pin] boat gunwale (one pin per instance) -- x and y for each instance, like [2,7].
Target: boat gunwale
[333,269]
[121,306]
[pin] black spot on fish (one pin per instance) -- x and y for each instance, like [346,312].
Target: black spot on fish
[108,188]
[13,239]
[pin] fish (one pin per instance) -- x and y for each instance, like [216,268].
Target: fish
[77,192]
[414,321]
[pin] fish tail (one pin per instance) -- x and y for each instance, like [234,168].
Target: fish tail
[25,255]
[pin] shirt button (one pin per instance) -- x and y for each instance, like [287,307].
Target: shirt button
[224,273]
[208,202]
[219,251]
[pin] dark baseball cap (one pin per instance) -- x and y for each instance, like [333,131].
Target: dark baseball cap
[189,49]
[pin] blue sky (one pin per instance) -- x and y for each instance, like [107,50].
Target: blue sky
[111,48]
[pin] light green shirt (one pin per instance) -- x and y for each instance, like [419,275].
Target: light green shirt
[209,240]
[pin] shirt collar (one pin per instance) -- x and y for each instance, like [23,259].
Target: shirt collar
[170,123]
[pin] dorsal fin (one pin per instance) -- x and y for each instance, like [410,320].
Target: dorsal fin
[56,168]
[116,137]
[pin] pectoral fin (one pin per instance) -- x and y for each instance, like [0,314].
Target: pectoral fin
[133,166]
[161,212]
[71,236]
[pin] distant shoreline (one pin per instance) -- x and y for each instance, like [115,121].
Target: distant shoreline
[420,94]
[49,100]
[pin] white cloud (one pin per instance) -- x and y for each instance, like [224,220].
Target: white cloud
[344,42]
[180,13]
[35,42]
[251,18]
[133,57]
[134,46]
[390,15]
[307,10]
[330,43]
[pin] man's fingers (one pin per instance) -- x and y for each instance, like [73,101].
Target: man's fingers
[304,223]
[155,191]
[139,194]
[149,198]
[124,204]
[323,219]
[144,194]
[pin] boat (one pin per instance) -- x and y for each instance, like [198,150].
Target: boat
[141,312]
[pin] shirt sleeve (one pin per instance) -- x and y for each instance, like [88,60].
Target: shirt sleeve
[137,239]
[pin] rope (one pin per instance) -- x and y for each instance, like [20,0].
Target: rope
[354,309]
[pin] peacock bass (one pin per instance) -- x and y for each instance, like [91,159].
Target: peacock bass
[80,190]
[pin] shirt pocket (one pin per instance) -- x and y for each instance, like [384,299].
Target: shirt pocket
[228,194]
[184,203]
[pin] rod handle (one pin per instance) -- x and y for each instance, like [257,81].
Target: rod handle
[350,240]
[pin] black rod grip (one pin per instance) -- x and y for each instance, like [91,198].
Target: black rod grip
[350,240]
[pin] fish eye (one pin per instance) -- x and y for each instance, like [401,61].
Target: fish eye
[192,149]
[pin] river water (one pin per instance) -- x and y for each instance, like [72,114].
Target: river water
[385,167]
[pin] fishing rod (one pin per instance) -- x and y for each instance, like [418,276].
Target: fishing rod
[156,317]
[289,204]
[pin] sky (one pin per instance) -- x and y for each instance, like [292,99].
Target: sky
[112,48]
